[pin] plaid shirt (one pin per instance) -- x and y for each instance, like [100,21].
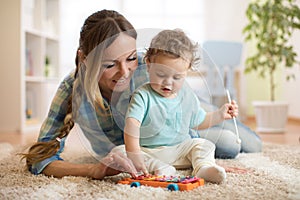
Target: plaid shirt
[111,125]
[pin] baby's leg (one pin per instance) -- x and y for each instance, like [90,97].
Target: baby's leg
[203,161]
[156,166]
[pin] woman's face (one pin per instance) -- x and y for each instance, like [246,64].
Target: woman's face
[118,64]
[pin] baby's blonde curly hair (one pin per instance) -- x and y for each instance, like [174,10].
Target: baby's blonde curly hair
[174,43]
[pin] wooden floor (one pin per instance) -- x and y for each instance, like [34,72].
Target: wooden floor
[291,136]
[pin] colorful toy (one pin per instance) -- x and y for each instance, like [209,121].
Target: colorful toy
[173,183]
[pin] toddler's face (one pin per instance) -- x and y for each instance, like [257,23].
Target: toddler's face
[167,75]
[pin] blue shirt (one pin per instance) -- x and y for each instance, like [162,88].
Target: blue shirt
[165,121]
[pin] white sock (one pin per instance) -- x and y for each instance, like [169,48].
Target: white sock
[214,174]
[166,170]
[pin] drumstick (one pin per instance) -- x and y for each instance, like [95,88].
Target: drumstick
[238,140]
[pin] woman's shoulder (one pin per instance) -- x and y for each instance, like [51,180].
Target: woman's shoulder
[68,81]
[70,77]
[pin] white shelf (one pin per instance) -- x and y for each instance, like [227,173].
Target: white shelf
[41,79]
[40,33]
[27,84]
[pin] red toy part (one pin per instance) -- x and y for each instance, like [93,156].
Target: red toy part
[171,182]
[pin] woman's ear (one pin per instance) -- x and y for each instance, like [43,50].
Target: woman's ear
[80,55]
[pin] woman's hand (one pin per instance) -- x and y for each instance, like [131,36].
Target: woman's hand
[113,164]
[229,110]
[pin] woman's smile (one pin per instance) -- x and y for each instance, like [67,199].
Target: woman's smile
[121,82]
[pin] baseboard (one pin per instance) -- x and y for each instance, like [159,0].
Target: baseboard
[290,119]
[294,119]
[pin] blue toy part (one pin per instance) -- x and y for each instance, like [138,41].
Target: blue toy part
[135,184]
[173,187]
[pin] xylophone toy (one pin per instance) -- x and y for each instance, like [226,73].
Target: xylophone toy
[172,183]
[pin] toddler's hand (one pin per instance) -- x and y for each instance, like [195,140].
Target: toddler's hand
[229,110]
[137,159]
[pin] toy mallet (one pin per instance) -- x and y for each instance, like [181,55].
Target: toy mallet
[238,140]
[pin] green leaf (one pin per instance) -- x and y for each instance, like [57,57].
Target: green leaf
[271,24]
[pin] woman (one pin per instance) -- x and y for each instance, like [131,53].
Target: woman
[96,97]
[107,46]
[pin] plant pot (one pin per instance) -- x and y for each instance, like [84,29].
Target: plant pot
[271,117]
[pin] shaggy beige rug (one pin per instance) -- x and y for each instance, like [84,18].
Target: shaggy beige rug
[273,174]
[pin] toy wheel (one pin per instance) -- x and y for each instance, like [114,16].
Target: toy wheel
[135,184]
[173,187]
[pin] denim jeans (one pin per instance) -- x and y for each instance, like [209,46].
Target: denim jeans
[224,137]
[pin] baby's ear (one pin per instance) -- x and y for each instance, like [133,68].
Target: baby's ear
[147,61]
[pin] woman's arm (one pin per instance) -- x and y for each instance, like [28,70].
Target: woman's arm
[50,141]
[60,169]
[112,164]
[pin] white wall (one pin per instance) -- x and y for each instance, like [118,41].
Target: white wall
[73,14]
[158,14]
[224,19]
[292,88]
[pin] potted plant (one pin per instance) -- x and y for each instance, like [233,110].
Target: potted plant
[270,27]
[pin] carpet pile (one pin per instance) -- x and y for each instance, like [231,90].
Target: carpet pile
[273,174]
